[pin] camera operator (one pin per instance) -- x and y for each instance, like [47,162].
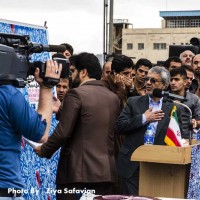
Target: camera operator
[18,119]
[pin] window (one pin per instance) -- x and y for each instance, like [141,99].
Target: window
[140,46]
[183,23]
[129,46]
[159,46]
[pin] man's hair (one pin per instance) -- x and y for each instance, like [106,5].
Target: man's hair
[120,62]
[188,68]
[172,59]
[179,71]
[87,61]
[143,61]
[105,64]
[68,47]
[162,72]
[192,51]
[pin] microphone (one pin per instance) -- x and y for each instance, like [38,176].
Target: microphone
[38,48]
[55,48]
[160,93]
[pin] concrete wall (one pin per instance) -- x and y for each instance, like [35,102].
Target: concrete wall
[149,36]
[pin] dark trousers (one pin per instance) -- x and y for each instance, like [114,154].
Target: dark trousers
[72,191]
[131,185]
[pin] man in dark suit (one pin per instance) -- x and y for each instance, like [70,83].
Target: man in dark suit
[85,132]
[133,122]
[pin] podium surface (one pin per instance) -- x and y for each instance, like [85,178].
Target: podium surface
[164,170]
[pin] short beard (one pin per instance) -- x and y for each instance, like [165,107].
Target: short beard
[197,73]
[76,82]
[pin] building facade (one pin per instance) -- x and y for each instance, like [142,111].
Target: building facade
[178,27]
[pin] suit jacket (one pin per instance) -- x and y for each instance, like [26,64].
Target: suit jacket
[130,124]
[85,132]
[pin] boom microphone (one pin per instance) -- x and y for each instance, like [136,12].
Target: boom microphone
[160,93]
[56,48]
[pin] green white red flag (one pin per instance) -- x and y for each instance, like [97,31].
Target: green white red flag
[173,135]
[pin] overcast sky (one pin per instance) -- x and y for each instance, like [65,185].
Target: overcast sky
[80,22]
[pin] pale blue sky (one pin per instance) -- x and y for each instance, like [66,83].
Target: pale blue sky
[80,22]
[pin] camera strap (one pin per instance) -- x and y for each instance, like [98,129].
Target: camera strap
[50,82]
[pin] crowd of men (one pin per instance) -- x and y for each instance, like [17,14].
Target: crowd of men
[103,115]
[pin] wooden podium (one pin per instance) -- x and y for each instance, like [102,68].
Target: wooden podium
[164,170]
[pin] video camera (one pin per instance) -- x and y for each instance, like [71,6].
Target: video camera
[15,59]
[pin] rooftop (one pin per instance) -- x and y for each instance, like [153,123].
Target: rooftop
[180,14]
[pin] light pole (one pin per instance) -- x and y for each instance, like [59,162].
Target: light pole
[107,28]
[111,28]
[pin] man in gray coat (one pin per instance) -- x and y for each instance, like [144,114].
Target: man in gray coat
[138,113]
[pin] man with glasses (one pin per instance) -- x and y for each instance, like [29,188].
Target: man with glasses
[142,67]
[139,112]
[85,132]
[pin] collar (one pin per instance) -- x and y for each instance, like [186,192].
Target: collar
[155,102]
[90,79]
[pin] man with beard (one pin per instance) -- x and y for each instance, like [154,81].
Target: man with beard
[142,67]
[196,81]
[186,57]
[85,132]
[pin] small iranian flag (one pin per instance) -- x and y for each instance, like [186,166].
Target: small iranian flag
[173,135]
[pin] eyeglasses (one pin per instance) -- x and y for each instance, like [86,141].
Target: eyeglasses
[71,71]
[152,80]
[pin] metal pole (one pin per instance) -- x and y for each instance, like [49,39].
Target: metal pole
[105,32]
[111,28]
[190,125]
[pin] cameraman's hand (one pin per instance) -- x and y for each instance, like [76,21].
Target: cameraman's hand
[52,71]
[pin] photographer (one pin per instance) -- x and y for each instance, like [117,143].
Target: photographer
[18,119]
